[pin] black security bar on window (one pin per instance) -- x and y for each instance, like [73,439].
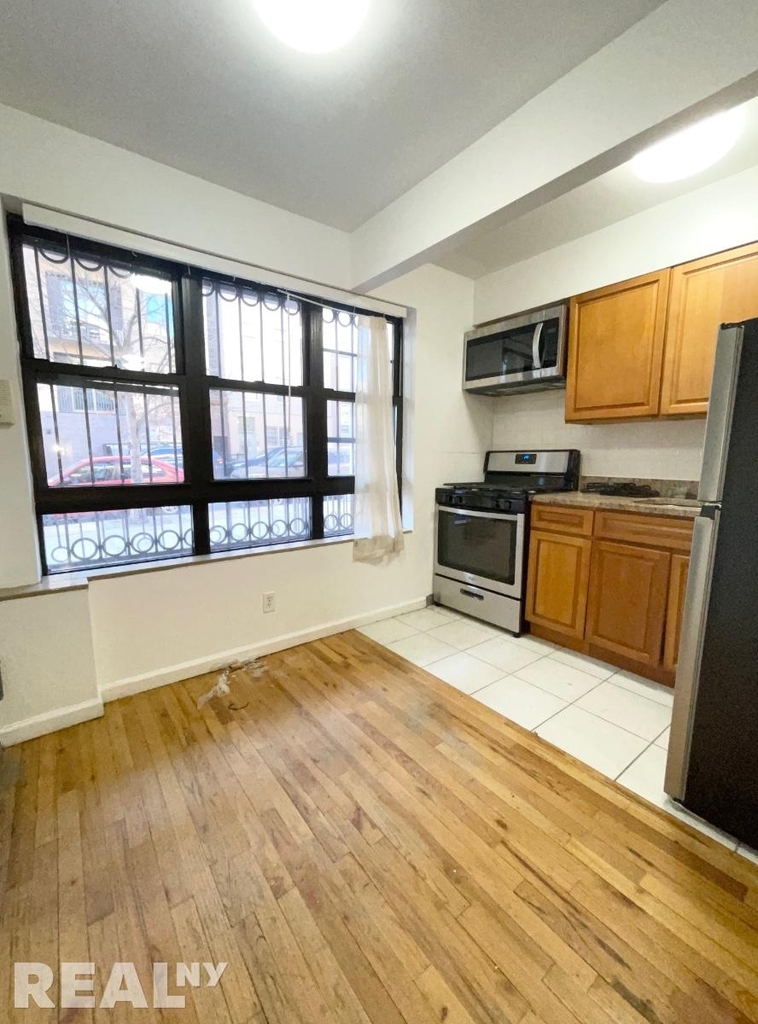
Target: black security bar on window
[174,411]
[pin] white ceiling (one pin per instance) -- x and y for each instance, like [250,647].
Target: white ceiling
[202,86]
[604,200]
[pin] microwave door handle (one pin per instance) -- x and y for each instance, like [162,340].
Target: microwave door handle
[537,346]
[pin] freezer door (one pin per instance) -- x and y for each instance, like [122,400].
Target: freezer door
[691,650]
[720,412]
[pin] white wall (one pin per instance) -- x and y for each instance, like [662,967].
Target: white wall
[53,166]
[720,216]
[47,664]
[157,627]
[652,450]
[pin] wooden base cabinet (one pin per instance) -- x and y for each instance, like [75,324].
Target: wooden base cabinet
[610,584]
[559,568]
[628,600]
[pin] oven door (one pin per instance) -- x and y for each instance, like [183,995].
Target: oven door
[485,549]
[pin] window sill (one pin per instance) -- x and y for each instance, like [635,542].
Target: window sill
[58,584]
[67,581]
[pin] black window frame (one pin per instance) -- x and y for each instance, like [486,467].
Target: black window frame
[199,489]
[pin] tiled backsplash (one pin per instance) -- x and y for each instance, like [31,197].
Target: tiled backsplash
[651,449]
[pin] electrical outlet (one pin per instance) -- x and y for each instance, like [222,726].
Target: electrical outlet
[269,602]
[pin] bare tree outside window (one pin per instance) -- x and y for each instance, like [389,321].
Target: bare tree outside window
[96,313]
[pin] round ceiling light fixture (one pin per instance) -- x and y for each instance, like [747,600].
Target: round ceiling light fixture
[691,150]
[313,26]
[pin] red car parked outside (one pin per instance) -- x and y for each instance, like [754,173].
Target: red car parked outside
[109,470]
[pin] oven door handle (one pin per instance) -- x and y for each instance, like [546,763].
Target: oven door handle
[481,515]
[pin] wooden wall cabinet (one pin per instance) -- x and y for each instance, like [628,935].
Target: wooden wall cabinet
[704,294]
[617,594]
[615,355]
[644,348]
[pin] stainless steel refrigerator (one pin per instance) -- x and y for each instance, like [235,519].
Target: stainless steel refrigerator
[712,766]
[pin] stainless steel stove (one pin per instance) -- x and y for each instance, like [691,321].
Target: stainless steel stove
[481,532]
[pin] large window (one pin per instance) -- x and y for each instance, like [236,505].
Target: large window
[172,411]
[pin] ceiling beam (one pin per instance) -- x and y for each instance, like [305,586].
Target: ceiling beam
[686,59]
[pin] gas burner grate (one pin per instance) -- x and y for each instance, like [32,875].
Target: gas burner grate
[622,490]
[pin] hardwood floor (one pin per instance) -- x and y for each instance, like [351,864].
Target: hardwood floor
[361,842]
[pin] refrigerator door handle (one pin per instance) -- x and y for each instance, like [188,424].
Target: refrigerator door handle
[720,411]
[691,651]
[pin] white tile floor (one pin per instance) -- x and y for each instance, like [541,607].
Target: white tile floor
[614,721]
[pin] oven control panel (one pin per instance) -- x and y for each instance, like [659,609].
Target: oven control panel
[476,500]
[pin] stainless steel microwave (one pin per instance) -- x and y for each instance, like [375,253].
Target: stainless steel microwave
[520,353]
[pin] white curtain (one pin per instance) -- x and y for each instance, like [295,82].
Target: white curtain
[377,524]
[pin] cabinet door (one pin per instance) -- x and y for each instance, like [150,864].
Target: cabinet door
[559,568]
[616,350]
[680,565]
[626,610]
[704,294]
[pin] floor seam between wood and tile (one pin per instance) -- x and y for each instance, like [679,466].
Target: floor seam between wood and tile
[630,685]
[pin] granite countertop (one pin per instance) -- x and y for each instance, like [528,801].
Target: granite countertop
[676,508]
